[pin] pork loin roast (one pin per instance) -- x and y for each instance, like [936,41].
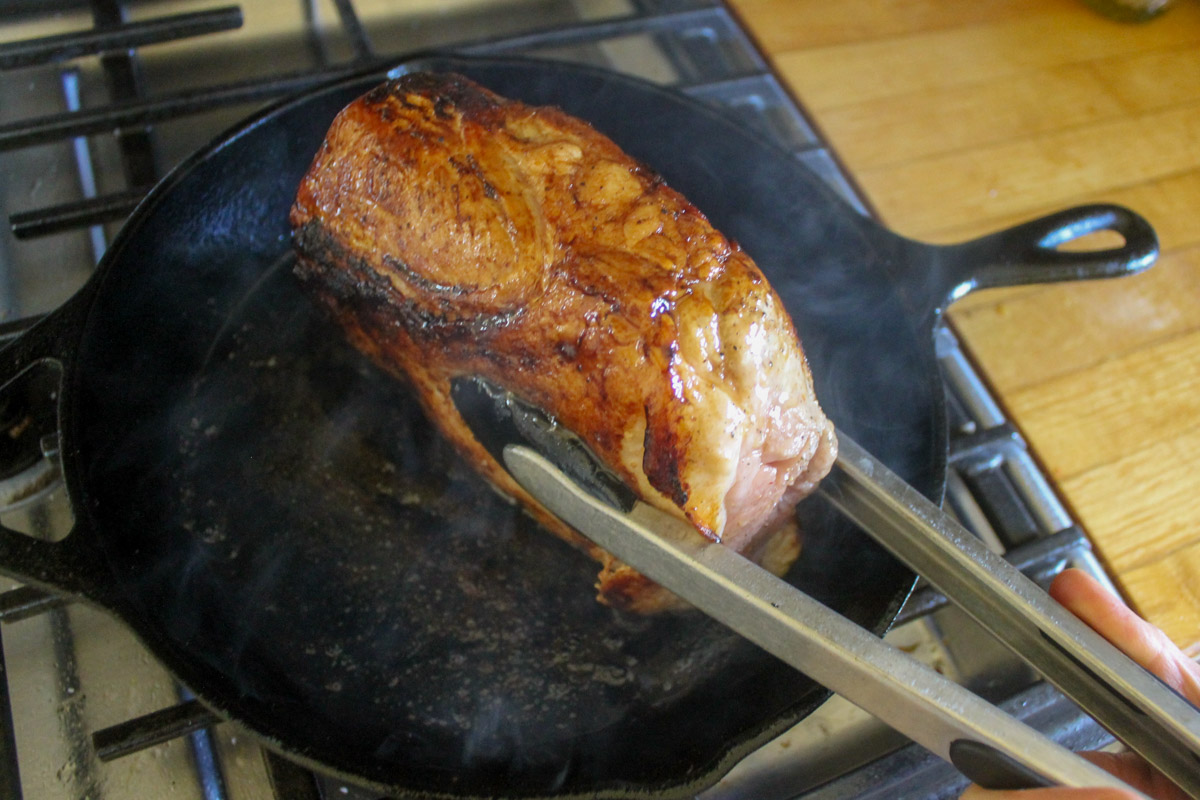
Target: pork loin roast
[452,232]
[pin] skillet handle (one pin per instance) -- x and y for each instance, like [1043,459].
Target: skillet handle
[69,565]
[1029,253]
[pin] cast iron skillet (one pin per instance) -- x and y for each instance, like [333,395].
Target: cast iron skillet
[275,520]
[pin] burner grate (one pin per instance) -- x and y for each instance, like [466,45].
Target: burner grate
[115,37]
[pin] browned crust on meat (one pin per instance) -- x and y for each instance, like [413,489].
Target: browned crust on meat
[453,232]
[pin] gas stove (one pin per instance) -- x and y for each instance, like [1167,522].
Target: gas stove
[100,99]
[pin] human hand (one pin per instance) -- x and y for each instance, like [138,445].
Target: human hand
[1084,597]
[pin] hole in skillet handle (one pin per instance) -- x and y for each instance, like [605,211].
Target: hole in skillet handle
[498,417]
[1038,251]
[68,565]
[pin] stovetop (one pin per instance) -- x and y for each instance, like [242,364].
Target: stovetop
[100,99]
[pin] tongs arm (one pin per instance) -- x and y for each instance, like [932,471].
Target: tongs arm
[986,744]
[1135,705]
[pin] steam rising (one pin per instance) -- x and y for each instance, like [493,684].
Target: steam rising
[331,557]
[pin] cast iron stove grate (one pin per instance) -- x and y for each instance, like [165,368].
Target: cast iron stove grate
[120,145]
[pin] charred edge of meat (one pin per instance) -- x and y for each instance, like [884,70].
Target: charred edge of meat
[625,589]
[331,270]
[454,93]
[660,460]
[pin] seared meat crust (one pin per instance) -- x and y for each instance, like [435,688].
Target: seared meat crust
[453,232]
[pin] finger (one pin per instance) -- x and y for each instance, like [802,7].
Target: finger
[1133,770]
[1052,793]
[1129,767]
[1147,645]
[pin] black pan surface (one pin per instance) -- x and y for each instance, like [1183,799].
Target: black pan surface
[276,520]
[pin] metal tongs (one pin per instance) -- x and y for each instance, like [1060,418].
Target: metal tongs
[985,744]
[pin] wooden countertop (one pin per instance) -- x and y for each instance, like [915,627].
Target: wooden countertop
[961,118]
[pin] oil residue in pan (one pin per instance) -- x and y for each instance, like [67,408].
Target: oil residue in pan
[332,552]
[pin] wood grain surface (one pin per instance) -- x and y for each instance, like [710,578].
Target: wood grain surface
[961,118]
